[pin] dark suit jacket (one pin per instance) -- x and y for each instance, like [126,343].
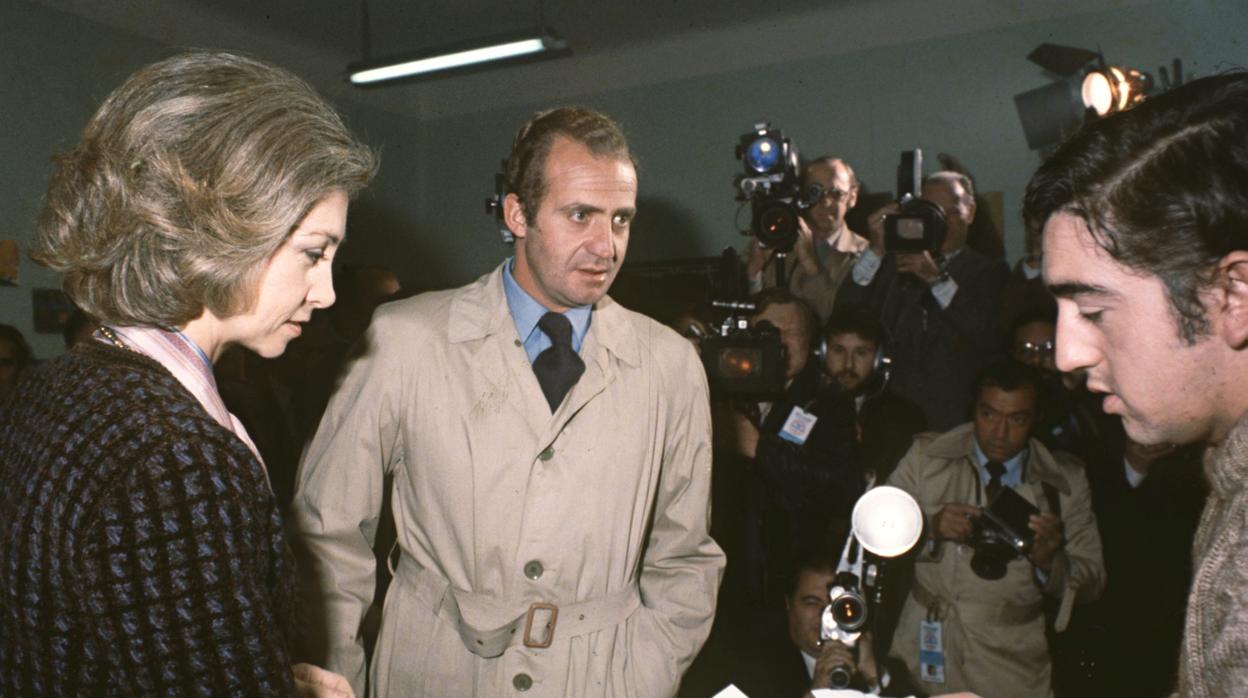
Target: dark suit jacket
[1147,536]
[889,423]
[936,351]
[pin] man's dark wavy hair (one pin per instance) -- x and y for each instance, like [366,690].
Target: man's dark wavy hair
[1163,187]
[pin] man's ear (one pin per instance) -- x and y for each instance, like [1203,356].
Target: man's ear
[513,216]
[1232,296]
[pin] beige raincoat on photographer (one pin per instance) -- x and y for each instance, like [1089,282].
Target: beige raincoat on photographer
[992,630]
[586,529]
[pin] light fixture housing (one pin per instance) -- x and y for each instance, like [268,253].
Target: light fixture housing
[462,57]
[1112,89]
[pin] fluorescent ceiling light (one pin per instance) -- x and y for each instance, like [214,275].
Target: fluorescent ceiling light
[393,69]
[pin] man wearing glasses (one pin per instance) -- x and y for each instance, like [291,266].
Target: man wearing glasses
[826,248]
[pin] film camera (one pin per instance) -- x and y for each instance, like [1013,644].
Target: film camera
[1001,534]
[843,620]
[886,523]
[743,361]
[772,186]
[920,225]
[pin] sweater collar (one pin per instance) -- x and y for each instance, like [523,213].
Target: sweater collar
[1227,463]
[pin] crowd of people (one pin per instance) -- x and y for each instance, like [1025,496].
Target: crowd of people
[520,485]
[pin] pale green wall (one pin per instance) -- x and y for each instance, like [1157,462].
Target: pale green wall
[55,69]
[424,214]
[953,95]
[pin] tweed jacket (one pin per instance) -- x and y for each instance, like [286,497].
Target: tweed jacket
[994,636]
[141,551]
[600,509]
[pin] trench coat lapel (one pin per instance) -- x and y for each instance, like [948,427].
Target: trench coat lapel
[608,340]
[958,448]
[481,314]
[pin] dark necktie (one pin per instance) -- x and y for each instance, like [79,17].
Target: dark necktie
[557,368]
[995,471]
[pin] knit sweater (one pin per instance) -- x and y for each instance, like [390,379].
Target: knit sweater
[141,551]
[1214,661]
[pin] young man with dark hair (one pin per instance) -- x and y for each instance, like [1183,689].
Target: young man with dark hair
[1145,231]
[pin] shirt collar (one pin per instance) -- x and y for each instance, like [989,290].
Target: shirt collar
[1013,466]
[526,311]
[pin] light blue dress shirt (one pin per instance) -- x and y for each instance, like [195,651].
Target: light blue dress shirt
[526,311]
[1013,476]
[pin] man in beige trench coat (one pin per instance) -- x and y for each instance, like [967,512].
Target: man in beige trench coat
[548,545]
[959,631]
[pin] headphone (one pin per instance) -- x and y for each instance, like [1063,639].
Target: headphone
[881,364]
[494,206]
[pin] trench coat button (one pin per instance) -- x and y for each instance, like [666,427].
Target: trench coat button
[547,454]
[522,682]
[533,570]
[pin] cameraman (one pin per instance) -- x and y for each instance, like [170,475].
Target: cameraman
[826,248]
[958,630]
[939,308]
[801,464]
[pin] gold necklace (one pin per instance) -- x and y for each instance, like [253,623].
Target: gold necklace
[107,333]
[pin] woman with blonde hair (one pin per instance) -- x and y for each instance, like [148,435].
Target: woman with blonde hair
[141,549]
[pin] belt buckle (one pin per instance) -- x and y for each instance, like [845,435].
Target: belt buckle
[550,625]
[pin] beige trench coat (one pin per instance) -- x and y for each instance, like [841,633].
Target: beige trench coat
[600,509]
[993,631]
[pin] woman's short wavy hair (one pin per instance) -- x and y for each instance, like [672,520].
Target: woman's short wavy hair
[188,178]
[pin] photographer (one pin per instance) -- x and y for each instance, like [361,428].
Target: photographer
[966,625]
[938,307]
[825,249]
[802,470]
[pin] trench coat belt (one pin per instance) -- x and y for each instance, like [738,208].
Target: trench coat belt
[469,612]
[978,611]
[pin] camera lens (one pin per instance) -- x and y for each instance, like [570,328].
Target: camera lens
[776,226]
[849,611]
[992,556]
[840,676]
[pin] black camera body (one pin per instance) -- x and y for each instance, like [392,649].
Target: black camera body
[1001,534]
[772,186]
[920,225]
[743,361]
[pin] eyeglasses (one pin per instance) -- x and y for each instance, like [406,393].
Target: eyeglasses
[835,194]
[1045,348]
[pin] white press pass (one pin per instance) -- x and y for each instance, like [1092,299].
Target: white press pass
[798,426]
[931,652]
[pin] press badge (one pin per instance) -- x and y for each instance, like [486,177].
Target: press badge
[797,427]
[931,652]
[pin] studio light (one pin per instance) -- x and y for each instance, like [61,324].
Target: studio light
[511,48]
[1113,89]
[1086,88]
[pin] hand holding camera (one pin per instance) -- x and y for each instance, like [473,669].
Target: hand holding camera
[920,264]
[875,227]
[1048,539]
[831,667]
[954,521]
